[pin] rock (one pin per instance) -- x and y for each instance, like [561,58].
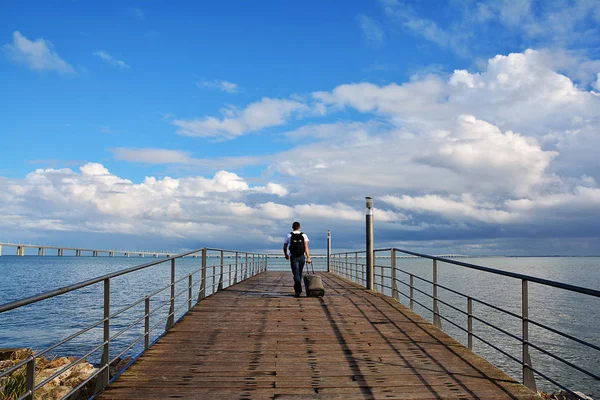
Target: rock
[58,363]
[14,353]
[118,365]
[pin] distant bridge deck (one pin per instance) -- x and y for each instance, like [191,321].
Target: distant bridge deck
[254,340]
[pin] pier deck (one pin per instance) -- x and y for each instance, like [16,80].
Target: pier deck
[254,340]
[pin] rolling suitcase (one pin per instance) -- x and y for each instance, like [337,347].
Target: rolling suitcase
[313,284]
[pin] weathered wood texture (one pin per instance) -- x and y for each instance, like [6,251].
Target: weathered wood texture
[256,341]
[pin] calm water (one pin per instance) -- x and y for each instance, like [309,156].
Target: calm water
[43,324]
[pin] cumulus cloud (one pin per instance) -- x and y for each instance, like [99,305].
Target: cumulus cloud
[110,60]
[259,115]
[37,54]
[508,150]
[224,86]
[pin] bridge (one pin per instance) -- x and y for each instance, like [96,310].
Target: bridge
[76,251]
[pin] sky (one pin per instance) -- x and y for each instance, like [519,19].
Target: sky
[475,125]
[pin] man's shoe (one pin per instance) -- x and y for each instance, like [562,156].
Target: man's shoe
[297,294]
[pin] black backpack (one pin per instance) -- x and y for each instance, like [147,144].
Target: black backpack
[297,244]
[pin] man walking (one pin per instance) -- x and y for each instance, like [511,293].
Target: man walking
[297,244]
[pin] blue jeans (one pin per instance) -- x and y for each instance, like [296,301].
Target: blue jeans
[297,264]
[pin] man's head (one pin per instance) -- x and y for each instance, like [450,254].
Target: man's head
[296,226]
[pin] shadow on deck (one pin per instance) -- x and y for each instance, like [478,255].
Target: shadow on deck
[255,340]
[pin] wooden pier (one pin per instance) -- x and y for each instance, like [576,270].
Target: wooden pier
[254,340]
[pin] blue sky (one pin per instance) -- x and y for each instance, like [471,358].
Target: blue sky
[473,123]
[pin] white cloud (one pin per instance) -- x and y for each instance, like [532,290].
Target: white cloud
[371,30]
[224,86]
[110,59]
[459,208]
[152,156]
[37,55]
[550,24]
[259,115]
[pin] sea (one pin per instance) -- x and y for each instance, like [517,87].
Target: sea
[48,322]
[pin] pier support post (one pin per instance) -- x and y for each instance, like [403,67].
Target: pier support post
[328,251]
[0,250]
[43,251]
[370,248]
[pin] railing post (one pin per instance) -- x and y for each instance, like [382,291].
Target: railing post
[470,323]
[190,286]
[214,279]
[202,293]
[328,251]
[528,377]
[394,283]
[370,248]
[104,376]
[236,268]
[412,292]
[253,264]
[346,267]
[266,263]
[437,322]
[220,287]
[246,268]
[30,378]
[147,323]
[171,316]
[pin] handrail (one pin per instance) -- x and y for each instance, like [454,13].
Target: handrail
[346,265]
[247,264]
[542,281]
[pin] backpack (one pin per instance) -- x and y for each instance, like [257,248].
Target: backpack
[297,244]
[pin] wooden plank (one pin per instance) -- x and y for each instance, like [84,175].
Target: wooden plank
[255,340]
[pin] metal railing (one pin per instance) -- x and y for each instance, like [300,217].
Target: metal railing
[232,267]
[389,279]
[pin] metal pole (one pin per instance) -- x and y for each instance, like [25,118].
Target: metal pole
[470,323]
[190,292]
[437,322]
[147,323]
[105,376]
[30,378]
[220,287]
[370,248]
[528,378]
[346,267]
[202,293]
[246,268]
[328,251]
[171,316]
[236,268]
[230,279]
[394,283]
[412,292]
[356,267]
